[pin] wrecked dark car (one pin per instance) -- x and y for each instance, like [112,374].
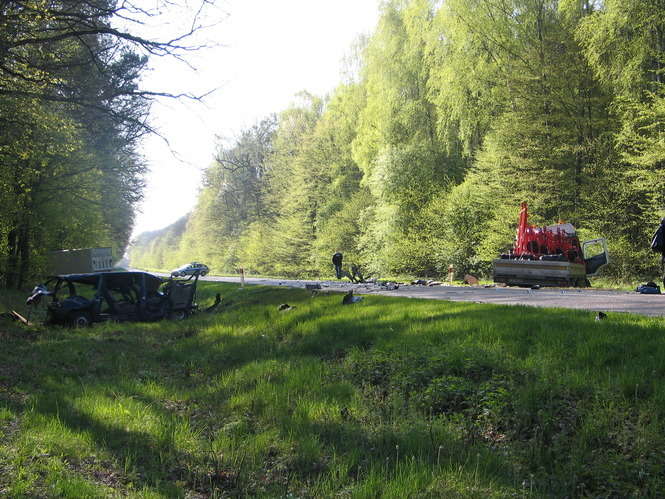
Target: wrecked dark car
[81,299]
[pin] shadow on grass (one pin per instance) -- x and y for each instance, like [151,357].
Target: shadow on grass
[317,329]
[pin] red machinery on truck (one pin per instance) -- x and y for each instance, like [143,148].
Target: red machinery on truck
[549,256]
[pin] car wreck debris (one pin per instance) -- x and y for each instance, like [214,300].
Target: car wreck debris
[15,317]
[387,285]
[82,299]
[349,298]
[215,305]
[650,288]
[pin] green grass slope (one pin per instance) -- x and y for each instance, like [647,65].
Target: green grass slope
[384,398]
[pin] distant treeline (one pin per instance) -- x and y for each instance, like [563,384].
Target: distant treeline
[452,114]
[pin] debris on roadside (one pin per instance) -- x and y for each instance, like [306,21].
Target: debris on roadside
[471,280]
[650,288]
[600,316]
[117,296]
[312,287]
[213,307]
[285,307]
[387,285]
[428,282]
[15,317]
[349,298]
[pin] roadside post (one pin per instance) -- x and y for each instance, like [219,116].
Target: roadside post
[451,274]
[242,277]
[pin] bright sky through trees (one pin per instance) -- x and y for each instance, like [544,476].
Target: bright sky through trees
[269,52]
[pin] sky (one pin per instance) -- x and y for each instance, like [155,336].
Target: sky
[267,52]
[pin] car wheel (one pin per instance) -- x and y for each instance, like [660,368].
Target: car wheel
[178,315]
[80,319]
[204,272]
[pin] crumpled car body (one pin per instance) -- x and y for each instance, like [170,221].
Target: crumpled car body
[82,299]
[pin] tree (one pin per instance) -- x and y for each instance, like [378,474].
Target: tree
[66,70]
[624,43]
[404,163]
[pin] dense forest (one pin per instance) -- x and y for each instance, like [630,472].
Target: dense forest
[456,112]
[72,114]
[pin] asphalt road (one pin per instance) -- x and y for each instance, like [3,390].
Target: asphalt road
[582,299]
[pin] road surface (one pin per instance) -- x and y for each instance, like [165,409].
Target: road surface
[582,299]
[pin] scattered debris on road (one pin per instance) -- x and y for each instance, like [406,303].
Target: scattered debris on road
[423,282]
[471,280]
[387,285]
[650,288]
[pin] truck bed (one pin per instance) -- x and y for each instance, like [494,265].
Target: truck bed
[543,273]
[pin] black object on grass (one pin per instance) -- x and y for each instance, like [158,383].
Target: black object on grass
[349,298]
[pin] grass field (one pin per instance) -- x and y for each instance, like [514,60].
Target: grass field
[384,398]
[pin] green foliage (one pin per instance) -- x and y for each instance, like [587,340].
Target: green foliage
[461,219]
[70,119]
[460,111]
[385,398]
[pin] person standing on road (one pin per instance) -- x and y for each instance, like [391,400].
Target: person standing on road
[658,245]
[337,263]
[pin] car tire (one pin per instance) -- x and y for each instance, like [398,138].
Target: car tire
[204,272]
[80,320]
[178,315]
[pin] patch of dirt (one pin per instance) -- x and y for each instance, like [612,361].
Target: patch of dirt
[98,471]
[9,373]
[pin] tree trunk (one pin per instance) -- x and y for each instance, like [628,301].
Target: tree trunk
[19,244]
[12,258]
[24,249]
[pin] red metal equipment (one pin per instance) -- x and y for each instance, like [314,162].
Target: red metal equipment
[549,256]
[554,241]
